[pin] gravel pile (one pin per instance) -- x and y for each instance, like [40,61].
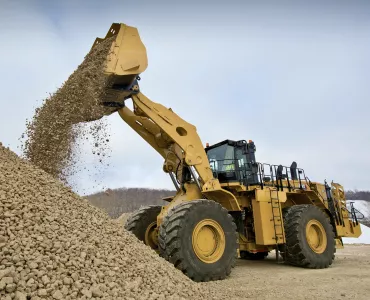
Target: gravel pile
[54,245]
[55,130]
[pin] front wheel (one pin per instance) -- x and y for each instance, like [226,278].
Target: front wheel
[199,237]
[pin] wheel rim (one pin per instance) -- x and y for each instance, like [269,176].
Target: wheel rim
[316,236]
[208,241]
[151,236]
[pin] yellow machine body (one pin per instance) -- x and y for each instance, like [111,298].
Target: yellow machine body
[178,142]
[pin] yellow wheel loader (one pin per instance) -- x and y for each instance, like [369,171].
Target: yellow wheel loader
[227,205]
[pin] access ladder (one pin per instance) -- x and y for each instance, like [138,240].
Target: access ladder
[277,219]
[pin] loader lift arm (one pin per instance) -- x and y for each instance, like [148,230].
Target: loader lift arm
[178,142]
[173,138]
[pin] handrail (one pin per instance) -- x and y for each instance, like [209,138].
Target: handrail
[257,173]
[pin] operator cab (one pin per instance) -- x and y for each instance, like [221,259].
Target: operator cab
[234,161]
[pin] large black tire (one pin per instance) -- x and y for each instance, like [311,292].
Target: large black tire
[297,250]
[139,222]
[176,240]
[253,256]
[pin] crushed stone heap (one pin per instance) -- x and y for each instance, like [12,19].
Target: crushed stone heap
[52,134]
[55,245]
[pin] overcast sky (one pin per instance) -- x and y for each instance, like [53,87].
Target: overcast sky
[293,77]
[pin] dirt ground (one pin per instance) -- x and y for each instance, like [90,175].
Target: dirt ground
[347,278]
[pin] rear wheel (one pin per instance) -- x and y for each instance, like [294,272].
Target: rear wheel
[199,237]
[309,237]
[143,224]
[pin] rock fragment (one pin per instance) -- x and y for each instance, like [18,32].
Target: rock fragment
[58,295]
[20,296]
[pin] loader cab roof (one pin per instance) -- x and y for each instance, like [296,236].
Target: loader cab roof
[228,142]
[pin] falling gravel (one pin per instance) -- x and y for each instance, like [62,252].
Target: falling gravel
[52,136]
[54,245]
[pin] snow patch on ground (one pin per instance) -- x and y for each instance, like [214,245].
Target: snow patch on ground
[362,206]
[364,238]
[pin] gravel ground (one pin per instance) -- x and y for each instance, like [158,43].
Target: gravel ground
[347,278]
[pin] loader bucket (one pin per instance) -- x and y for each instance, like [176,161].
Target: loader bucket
[126,60]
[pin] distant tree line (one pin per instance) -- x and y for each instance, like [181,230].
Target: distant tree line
[123,200]
[358,195]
